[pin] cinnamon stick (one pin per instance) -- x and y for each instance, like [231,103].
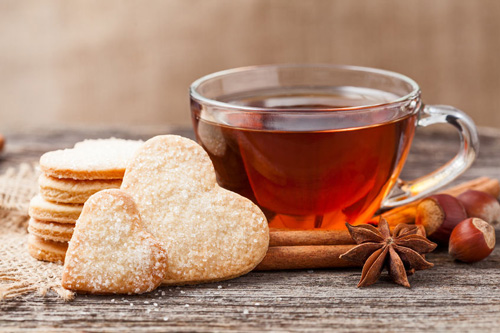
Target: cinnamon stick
[288,237]
[484,184]
[406,213]
[305,257]
[284,237]
[401,214]
[285,252]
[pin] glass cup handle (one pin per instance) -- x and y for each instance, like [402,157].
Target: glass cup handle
[469,145]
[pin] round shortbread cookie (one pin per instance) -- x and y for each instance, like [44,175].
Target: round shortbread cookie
[210,233]
[90,159]
[53,231]
[73,191]
[45,250]
[44,210]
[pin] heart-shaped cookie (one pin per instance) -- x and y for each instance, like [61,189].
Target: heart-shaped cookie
[110,252]
[210,233]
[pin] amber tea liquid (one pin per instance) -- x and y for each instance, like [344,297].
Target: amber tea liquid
[301,174]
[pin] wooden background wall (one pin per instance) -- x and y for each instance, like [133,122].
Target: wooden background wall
[131,62]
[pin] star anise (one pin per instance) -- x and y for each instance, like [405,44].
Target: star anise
[398,251]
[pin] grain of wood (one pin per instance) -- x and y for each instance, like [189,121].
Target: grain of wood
[449,297]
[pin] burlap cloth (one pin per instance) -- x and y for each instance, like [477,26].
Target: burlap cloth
[21,274]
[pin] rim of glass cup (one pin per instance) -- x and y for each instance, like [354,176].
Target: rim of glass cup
[208,101]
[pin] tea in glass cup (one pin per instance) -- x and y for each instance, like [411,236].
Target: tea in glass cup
[316,146]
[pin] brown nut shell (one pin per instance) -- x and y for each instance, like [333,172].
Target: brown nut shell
[480,204]
[439,214]
[472,240]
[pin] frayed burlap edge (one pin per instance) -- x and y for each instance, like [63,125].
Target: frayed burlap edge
[20,274]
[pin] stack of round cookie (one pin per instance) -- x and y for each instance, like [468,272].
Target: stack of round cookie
[69,177]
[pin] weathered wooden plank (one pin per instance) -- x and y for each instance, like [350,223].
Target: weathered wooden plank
[450,296]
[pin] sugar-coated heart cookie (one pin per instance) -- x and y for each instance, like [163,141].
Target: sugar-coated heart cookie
[110,252]
[90,159]
[210,233]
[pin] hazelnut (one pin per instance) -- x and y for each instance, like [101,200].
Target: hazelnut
[439,214]
[472,240]
[480,204]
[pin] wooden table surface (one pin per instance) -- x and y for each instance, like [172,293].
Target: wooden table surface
[450,296]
